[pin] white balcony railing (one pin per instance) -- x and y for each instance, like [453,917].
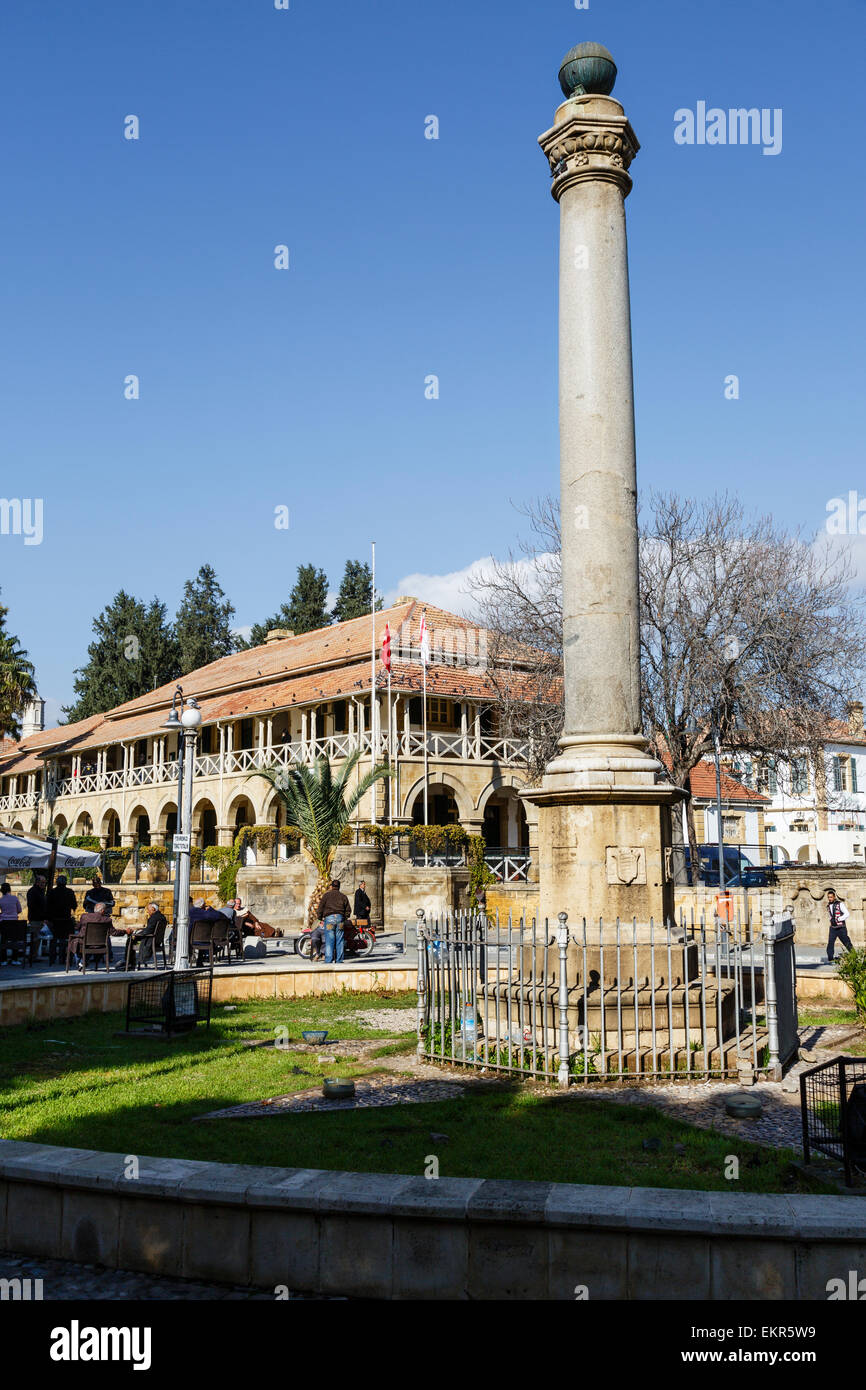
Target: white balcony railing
[407,746]
[21,801]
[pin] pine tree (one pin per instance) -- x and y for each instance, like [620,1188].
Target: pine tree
[356,592]
[134,651]
[305,609]
[203,626]
[17,680]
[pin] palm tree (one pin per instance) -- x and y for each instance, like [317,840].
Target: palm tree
[318,805]
[17,682]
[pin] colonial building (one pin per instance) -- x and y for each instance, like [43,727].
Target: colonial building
[293,699]
[743,810]
[816,808]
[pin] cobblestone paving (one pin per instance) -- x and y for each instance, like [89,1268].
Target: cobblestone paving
[63,1280]
[375,1091]
[400,1020]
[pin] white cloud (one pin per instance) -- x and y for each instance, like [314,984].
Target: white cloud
[452,591]
[448,591]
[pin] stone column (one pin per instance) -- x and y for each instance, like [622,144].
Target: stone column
[604,815]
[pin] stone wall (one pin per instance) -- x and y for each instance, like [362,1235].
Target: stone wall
[386,1236]
[804,890]
[278,894]
[97,992]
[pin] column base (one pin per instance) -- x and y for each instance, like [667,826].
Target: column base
[601,849]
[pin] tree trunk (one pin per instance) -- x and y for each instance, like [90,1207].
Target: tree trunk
[319,892]
[693,841]
[678,842]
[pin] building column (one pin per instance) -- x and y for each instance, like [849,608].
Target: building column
[604,815]
[464,728]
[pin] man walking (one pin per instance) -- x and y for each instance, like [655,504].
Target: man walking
[333,912]
[838,931]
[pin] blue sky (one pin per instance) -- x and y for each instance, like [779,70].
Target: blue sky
[408,256]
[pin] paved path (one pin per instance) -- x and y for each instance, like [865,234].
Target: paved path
[281,957]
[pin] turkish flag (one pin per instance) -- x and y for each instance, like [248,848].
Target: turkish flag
[386,649]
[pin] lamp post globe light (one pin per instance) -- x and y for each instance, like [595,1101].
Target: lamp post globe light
[186,725]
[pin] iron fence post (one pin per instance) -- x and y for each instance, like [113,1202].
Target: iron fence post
[562,941]
[422,977]
[770,999]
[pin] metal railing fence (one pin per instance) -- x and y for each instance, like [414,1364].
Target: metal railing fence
[833,1106]
[601,1002]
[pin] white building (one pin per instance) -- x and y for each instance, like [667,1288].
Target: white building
[815,814]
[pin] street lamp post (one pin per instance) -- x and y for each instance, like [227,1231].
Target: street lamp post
[717,754]
[187,726]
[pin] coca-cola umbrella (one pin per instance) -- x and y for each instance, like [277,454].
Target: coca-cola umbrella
[28,852]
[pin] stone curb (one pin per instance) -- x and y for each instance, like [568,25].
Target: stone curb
[476,1200]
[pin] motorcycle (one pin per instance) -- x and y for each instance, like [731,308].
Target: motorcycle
[359,938]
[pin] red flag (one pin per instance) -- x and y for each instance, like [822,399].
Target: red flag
[386,649]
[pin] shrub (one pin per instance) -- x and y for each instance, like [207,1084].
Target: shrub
[91,842]
[852,969]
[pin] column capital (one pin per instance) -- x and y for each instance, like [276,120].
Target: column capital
[591,138]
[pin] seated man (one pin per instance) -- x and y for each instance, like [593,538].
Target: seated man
[99,914]
[251,924]
[143,937]
[198,912]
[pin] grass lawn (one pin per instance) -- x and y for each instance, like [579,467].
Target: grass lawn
[75,1083]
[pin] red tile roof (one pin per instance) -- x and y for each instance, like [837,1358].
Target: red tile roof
[330,663]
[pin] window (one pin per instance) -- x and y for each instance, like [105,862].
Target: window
[438,710]
[844,773]
[768,780]
[340,717]
[800,777]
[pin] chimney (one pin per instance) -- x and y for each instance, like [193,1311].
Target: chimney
[33,718]
[855,718]
[277,634]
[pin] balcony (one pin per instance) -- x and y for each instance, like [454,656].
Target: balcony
[21,801]
[407,747]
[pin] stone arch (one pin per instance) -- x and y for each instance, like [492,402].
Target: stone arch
[443,779]
[505,824]
[241,810]
[60,824]
[109,827]
[499,783]
[18,828]
[84,823]
[164,822]
[139,824]
[204,822]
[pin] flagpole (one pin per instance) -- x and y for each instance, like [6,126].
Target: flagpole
[390,754]
[373,685]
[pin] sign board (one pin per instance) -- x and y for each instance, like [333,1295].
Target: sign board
[180,844]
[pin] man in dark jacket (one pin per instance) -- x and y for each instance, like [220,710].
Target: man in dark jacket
[333,912]
[838,931]
[144,938]
[60,906]
[98,893]
[362,903]
[35,912]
